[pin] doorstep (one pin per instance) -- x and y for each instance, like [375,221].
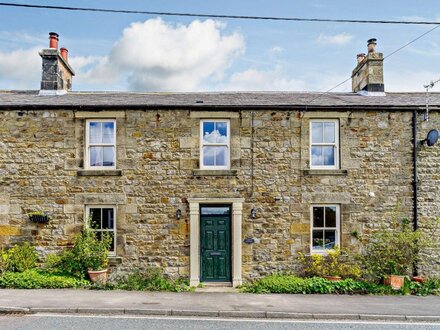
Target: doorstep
[217,287]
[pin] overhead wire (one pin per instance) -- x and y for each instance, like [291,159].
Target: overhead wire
[244,17]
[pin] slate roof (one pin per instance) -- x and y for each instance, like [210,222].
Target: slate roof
[292,100]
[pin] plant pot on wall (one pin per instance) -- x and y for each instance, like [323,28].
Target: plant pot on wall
[395,281]
[98,276]
[38,217]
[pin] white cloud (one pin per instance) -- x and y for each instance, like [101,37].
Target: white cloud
[277,80]
[20,69]
[155,55]
[337,39]
[276,50]
[258,80]
[410,81]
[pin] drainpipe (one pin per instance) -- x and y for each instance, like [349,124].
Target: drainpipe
[414,154]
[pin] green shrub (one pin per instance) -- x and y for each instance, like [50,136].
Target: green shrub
[4,261]
[22,257]
[336,262]
[279,283]
[37,279]
[88,253]
[148,280]
[53,263]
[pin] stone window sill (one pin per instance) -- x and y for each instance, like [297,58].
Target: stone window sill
[331,172]
[99,172]
[114,260]
[214,172]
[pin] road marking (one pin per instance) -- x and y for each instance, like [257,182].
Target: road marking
[217,319]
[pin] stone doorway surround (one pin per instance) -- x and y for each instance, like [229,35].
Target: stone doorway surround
[236,228]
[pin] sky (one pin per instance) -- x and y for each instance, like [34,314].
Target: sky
[133,52]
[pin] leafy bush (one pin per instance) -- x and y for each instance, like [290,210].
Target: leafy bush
[394,250]
[53,263]
[37,279]
[88,253]
[149,280]
[21,258]
[4,261]
[336,262]
[279,283]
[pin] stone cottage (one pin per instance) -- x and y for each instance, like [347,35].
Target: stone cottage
[217,187]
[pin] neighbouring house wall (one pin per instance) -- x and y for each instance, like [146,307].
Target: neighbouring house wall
[42,158]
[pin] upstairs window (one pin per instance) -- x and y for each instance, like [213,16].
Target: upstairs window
[324,143]
[325,227]
[101,144]
[215,144]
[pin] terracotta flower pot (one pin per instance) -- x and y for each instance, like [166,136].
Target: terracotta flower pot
[419,279]
[98,276]
[395,281]
[333,278]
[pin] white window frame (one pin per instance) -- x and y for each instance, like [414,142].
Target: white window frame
[88,145]
[227,145]
[335,144]
[337,228]
[86,217]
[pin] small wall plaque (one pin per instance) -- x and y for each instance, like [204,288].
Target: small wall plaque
[249,240]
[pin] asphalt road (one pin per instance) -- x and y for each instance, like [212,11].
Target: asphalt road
[91,322]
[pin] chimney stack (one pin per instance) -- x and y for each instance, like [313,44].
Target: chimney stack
[56,78]
[367,77]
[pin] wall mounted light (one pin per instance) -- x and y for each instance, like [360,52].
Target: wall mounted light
[253,213]
[178,214]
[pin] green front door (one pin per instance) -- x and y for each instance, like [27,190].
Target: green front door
[215,243]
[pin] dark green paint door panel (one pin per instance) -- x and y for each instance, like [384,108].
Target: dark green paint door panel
[215,245]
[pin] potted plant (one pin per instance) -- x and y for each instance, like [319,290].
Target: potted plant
[38,216]
[390,254]
[89,256]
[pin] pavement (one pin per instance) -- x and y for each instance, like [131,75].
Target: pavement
[221,304]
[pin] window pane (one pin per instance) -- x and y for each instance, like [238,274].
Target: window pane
[318,240]
[208,128]
[108,156]
[96,156]
[318,217]
[330,239]
[108,132]
[317,132]
[209,156]
[329,155]
[95,218]
[329,132]
[330,216]
[113,241]
[222,128]
[221,156]
[215,132]
[108,218]
[207,210]
[95,132]
[316,156]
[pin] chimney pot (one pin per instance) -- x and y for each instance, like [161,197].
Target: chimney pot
[372,45]
[64,53]
[360,57]
[53,40]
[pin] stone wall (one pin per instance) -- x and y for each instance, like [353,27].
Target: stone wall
[42,155]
